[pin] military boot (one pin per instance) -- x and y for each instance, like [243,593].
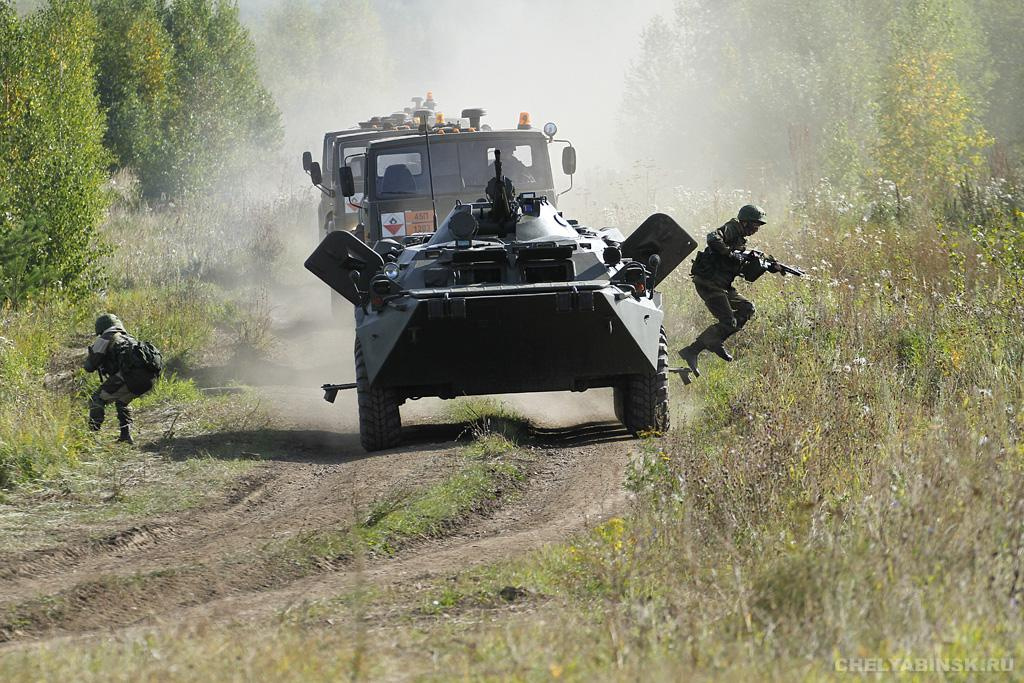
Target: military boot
[719,350]
[689,354]
[126,436]
[95,419]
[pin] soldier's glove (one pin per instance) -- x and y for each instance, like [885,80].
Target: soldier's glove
[774,268]
[737,256]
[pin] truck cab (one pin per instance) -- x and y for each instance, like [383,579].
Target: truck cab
[409,183]
[336,212]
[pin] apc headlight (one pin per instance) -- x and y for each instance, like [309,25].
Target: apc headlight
[391,271]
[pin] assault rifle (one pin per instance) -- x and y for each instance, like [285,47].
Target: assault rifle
[757,263]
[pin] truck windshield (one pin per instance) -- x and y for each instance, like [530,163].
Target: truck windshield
[350,157]
[460,168]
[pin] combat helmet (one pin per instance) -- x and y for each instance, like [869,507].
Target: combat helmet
[751,212]
[106,321]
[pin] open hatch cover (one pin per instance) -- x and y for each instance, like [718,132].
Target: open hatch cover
[660,235]
[339,255]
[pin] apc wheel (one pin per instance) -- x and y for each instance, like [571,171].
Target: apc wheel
[619,401]
[641,403]
[380,423]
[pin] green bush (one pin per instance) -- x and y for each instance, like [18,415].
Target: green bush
[52,158]
[136,85]
[184,99]
[40,430]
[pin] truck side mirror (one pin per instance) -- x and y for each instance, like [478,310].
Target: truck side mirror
[347,182]
[307,161]
[314,173]
[569,160]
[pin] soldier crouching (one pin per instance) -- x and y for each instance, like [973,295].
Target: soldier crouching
[104,357]
[713,273]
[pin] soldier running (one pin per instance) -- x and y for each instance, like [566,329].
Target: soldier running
[713,272]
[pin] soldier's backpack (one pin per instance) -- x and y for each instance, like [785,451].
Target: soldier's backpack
[141,365]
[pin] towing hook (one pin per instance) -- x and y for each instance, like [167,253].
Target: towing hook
[331,390]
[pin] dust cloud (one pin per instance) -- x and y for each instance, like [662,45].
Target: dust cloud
[563,62]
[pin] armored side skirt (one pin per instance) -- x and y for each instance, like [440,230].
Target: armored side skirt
[499,342]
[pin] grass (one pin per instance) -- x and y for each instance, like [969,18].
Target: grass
[114,487]
[850,487]
[55,475]
[486,472]
[487,417]
[484,476]
[181,278]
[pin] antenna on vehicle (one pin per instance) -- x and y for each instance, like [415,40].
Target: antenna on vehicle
[430,170]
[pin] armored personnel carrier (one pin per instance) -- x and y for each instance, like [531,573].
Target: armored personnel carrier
[507,296]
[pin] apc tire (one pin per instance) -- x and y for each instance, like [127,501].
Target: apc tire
[380,423]
[619,401]
[641,403]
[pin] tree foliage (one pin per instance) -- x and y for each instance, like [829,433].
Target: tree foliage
[135,60]
[52,159]
[751,92]
[317,57]
[929,134]
[181,86]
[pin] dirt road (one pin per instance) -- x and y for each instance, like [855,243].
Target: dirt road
[225,559]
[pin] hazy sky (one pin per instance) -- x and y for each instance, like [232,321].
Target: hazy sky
[561,60]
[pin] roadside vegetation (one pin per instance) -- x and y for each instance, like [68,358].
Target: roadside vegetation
[848,487]
[851,486]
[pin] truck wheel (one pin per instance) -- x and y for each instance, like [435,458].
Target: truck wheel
[380,423]
[644,398]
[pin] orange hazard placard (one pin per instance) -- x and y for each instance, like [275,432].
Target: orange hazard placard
[419,221]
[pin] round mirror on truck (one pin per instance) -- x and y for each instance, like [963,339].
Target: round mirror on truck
[550,129]
[569,160]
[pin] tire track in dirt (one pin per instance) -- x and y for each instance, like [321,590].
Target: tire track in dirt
[204,554]
[213,562]
[229,578]
[574,488]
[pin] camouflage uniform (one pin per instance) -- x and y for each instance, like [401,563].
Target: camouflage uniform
[713,272]
[105,357]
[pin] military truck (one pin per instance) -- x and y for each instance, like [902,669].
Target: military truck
[506,296]
[336,212]
[460,169]
[410,181]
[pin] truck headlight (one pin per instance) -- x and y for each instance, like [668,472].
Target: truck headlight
[391,271]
